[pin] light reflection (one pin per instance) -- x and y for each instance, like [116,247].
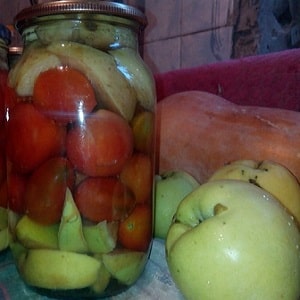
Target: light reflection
[232,254]
[80,113]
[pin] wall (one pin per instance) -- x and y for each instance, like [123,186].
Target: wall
[187,33]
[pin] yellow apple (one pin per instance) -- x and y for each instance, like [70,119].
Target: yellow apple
[233,240]
[269,175]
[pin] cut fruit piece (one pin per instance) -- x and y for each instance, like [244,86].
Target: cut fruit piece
[18,252]
[133,67]
[101,238]
[100,35]
[124,265]
[112,89]
[55,269]
[22,77]
[70,233]
[102,281]
[3,218]
[34,235]
[4,238]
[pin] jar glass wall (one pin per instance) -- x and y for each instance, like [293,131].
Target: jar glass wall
[81,147]
[5,37]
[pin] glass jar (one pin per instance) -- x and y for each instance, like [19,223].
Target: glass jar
[4,41]
[14,53]
[80,149]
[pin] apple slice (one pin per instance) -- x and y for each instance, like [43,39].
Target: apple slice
[103,278]
[135,70]
[101,35]
[124,265]
[3,228]
[34,235]
[70,233]
[112,89]
[36,60]
[102,237]
[56,269]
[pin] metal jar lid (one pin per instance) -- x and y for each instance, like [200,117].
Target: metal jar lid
[24,17]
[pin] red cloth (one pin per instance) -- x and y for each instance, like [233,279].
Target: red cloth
[271,80]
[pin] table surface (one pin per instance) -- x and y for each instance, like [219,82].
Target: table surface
[155,283]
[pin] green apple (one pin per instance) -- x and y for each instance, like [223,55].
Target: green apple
[170,188]
[233,240]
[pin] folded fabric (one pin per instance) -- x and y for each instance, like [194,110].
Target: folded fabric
[271,80]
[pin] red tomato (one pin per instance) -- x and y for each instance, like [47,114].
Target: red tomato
[32,138]
[3,83]
[135,232]
[101,144]
[46,189]
[63,93]
[16,186]
[137,174]
[101,199]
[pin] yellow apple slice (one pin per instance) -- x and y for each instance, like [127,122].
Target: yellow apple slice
[124,265]
[102,281]
[56,269]
[34,235]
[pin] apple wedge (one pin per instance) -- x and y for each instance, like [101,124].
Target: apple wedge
[35,61]
[56,269]
[139,76]
[100,35]
[34,235]
[70,233]
[102,237]
[4,236]
[124,265]
[112,89]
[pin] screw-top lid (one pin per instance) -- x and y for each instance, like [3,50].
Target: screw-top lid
[76,6]
[5,34]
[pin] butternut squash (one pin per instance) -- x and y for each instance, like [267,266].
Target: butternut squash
[199,132]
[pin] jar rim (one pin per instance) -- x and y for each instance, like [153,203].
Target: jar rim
[79,6]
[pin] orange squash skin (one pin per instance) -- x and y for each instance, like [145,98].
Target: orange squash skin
[199,132]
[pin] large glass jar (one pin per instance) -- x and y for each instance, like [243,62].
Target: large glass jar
[4,41]
[80,149]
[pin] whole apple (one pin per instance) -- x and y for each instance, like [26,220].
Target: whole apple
[170,188]
[269,175]
[233,240]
